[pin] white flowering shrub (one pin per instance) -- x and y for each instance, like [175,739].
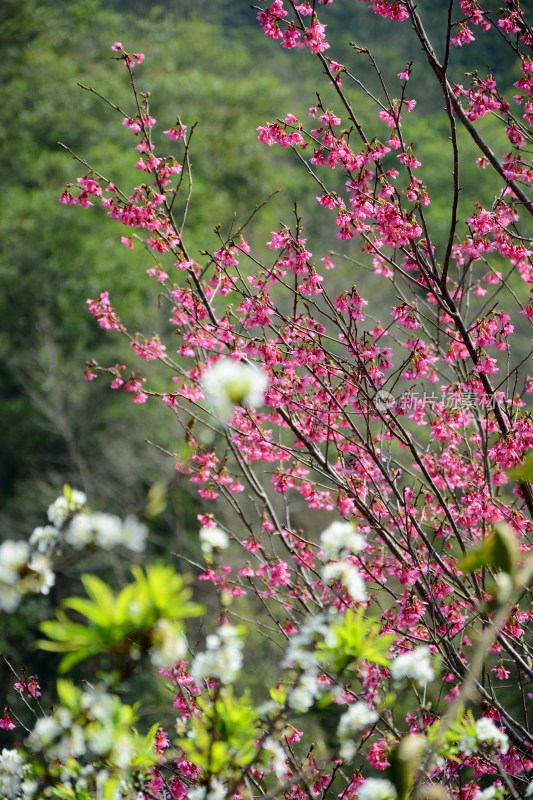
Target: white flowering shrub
[26,567]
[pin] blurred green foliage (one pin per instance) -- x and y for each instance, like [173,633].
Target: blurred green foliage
[225,733]
[124,625]
[354,639]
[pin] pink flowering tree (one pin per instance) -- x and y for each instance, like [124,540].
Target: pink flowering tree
[407,614]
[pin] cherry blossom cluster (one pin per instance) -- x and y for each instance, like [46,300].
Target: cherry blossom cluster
[414,600]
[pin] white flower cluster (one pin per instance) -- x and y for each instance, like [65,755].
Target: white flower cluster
[496,792]
[376,789]
[415,664]
[67,504]
[106,531]
[279,759]
[43,538]
[341,538]
[213,539]
[305,691]
[26,567]
[22,572]
[486,732]
[349,576]
[299,652]
[358,717]
[90,732]
[229,383]
[223,658]
[169,645]
[62,738]
[299,655]
[337,542]
[217,791]
[12,772]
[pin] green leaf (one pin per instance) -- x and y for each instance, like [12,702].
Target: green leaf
[499,551]
[121,624]
[354,639]
[224,736]
[523,472]
[69,695]
[279,695]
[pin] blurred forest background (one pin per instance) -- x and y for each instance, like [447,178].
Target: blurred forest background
[210,63]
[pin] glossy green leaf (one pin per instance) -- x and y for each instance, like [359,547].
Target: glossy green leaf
[354,639]
[121,624]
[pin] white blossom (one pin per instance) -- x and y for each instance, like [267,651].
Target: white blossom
[306,690]
[44,733]
[217,790]
[358,717]
[13,561]
[196,793]
[99,528]
[98,704]
[134,534]
[43,537]
[12,769]
[10,761]
[376,789]
[488,733]
[339,538]
[61,508]
[415,664]
[10,597]
[229,383]
[297,653]
[279,759]
[298,656]
[213,539]
[347,750]
[223,658]
[58,511]
[13,557]
[71,745]
[106,531]
[349,576]
[123,752]
[493,792]
[100,740]
[169,644]
[80,531]
[313,624]
[64,717]
[44,578]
